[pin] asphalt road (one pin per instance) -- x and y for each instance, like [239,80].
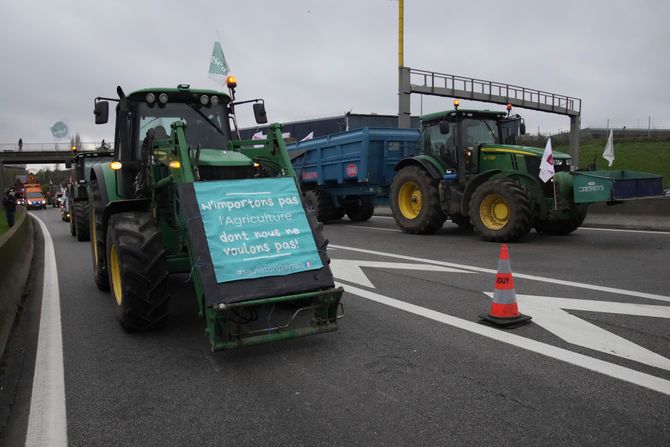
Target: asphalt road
[398,371]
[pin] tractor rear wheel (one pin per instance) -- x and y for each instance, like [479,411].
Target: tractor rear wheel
[137,270]
[415,201]
[321,204]
[501,210]
[97,238]
[563,226]
[80,216]
[360,212]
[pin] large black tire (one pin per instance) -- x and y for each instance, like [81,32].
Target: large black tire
[415,201]
[138,273]
[95,209]
[563,226]
[501,210]
[81,220]
[322,205]
[73,229]
[361,210]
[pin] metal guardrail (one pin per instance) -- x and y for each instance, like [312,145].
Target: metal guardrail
[39,147]
[461,87]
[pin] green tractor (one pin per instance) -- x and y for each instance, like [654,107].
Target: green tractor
[77,191]
[470,170]
[185,195]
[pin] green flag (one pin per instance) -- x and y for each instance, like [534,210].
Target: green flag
[218,67]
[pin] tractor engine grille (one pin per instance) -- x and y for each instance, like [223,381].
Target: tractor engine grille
[225,172]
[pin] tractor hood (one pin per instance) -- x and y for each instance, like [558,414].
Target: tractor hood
[217,157]
[522,150]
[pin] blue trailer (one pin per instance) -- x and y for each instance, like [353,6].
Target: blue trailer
[344,173]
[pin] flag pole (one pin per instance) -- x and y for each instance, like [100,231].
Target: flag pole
[555,202]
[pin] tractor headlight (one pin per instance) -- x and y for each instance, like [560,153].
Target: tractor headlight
[163,98]
[151,98]
[215,100]
[204,100]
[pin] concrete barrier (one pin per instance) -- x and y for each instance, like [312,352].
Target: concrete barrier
[16,253]
[643,214]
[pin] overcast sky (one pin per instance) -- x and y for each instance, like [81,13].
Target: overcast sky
[314,58]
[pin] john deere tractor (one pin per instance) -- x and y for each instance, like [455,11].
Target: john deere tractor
[468,168]
[182,195]
[77,191]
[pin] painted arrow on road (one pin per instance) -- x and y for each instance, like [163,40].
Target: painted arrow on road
[550,313]
[350,270]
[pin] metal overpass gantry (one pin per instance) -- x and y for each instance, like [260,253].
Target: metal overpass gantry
[439,84]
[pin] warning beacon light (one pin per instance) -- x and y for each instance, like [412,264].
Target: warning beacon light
[456,103]
[231,82]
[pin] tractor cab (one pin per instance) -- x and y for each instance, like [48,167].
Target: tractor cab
[455,137]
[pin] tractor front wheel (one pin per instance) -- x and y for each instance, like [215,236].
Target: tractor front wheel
[501,210]
[97,238]
[415,201]
[563,226]
[137,270]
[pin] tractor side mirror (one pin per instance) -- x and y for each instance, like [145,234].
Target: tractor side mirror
[444,127]
[260,114]
[522,128]
[101,112]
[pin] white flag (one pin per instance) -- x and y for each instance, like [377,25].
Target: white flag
[308,137]
[258,136]
[218,67]
[608,154]
[547,163]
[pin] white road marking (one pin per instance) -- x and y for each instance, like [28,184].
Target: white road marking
[382,217]
[350,270]
[651,296]
[372,228]
[619,230]
[600,366]
[47,421]
[549,312]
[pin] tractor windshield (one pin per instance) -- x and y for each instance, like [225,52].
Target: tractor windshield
[480,131]
[205,126]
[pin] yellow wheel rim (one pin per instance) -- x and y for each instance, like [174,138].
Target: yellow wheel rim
[116,275]
[409,200]
[494,212]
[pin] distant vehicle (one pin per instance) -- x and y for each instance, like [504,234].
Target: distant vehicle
[20,198]
[65,209]
[35,197]
[57,199]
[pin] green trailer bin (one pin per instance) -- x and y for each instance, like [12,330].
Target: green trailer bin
[609,186]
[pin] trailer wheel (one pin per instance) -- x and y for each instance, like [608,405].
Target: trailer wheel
[321,204]
[137,270]
[415,201]
[97,238]
[462,221]
[360,212]
[73,229]
[501,210]
[80,216]
[563,226]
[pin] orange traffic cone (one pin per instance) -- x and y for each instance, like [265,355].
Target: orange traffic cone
[504,310]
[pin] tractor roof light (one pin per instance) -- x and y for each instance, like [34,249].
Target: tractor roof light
[163,98]
[509,107]
[204,100]
[231,81]
[115,165]
[215,100]
[150,98]
[456,104]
